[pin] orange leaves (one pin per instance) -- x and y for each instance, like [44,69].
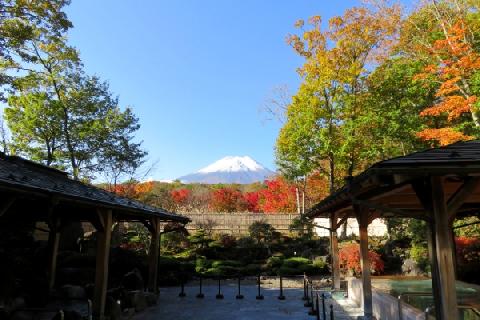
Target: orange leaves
[453,106]
[443,135]
[457,63]
[132,190]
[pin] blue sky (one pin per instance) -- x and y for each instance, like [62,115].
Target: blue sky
[195,72]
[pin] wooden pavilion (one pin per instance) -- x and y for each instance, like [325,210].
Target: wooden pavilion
[435,185]
[32,191]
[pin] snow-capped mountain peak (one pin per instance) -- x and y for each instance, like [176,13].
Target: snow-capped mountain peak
[233,164]
[231,169]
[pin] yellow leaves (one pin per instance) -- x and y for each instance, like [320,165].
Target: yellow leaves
[443,135]
[315,20]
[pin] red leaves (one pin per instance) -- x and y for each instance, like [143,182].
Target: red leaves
[226,200]
[132,190]
[278,196]
[349,257]
[468,250]
[180,196]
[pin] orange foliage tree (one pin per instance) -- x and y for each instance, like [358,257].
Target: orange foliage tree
[132,190]
[456,62]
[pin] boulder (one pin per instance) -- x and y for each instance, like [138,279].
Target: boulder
[133,280]
[136,300]
[113,309]
[410,268]
[68,315]
[73,292]
[151,298]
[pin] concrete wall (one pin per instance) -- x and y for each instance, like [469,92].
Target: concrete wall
[385,306]
[376,228]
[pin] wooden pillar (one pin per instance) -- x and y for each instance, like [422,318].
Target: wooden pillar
[445,277]
[432,251]
[334,252]
[101,270]
[53,242]
[153,255]
[363,221]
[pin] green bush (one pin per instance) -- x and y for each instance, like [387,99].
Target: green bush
[296,262]
[226,263]
[274,262]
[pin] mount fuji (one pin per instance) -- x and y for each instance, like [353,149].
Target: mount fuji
[242,170]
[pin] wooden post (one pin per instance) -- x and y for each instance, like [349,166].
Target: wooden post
[334,252]
[101,270]
[446,291]
[53,242]
[432,251]
[363,221]
[153,255]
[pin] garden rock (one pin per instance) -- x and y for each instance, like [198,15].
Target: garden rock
[151,298]
[133,280]
[113,309]
[136,300]
[410,268]
[68,315]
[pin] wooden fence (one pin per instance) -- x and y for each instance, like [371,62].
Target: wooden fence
[238,222]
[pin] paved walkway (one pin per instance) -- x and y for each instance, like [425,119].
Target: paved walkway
[171,306]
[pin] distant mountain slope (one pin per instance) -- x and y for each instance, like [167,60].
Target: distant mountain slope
[242,170]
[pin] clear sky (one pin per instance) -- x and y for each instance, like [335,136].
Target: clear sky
[195,72]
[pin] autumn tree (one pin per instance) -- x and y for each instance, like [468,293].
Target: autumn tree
[227,199]
[277,196]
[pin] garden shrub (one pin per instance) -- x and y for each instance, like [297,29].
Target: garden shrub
[296,262]
[349,257]
[419,253]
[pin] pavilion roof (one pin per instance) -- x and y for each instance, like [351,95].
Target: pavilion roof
[391,185]
[30,178]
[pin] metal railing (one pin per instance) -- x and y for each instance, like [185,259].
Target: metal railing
[428,311]
[410,294]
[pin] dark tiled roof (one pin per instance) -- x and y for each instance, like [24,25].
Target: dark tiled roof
[458,153]
[457,158]
[16,172]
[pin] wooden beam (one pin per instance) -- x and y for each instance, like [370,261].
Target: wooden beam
[5,206]
[101,270]
[446,293]
[382,208]
[334,251]
[153,255]
[461,195]
[362,214]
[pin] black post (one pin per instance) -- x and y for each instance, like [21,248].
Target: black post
[281,296]
[200,295]
[219,294]
[312,310]
[305,296]
[259,296]
[307,304]
[317,307]
[323,307]
[239,295]
[331,312]
[182,291]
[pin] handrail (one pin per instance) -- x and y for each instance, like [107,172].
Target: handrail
[404,294]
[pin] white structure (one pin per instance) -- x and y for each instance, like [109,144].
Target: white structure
[376,228]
